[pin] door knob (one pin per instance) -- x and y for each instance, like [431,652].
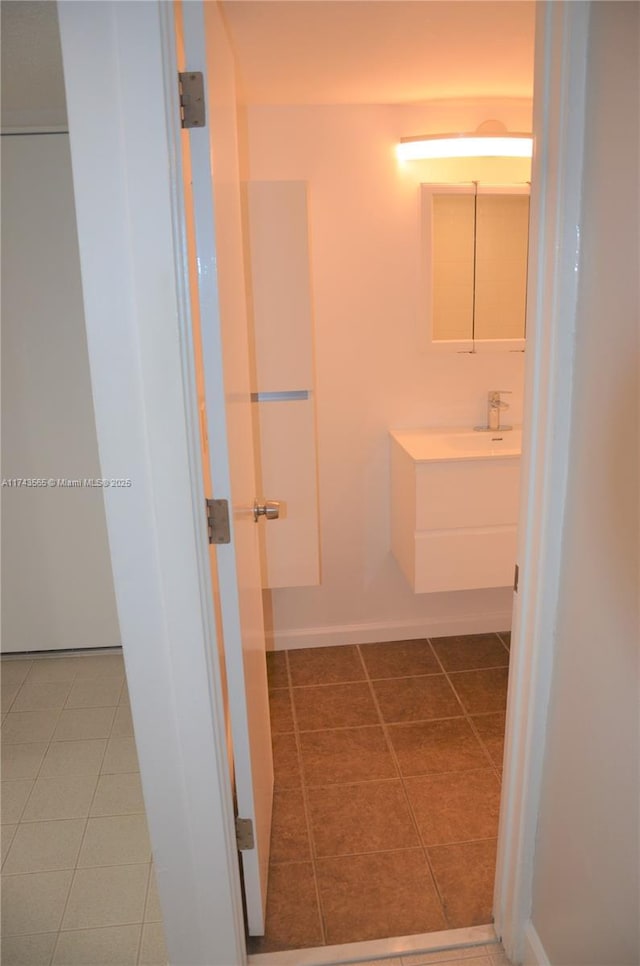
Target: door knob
[269,509]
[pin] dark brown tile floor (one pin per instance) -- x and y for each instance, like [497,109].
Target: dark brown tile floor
[387,761]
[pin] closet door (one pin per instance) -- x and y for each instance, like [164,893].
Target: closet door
[57,589]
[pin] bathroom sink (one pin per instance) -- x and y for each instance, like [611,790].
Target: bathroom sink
[506,443]
[426,445]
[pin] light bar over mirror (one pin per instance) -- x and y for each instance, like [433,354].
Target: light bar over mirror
[465,146]
[490,140]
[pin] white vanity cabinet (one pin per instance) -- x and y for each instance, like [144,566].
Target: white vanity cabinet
[454,508]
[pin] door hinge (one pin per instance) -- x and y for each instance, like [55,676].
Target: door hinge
[516,579]
[218,521]
[244,835]
[192,109]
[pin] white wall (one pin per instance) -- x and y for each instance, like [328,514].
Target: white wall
[373,372]
[57,587]
[586,898]
[32,89]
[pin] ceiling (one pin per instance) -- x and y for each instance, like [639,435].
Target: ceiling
[381,51]
[313,52]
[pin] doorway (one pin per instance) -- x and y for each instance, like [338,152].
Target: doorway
[371,373]
[179,674]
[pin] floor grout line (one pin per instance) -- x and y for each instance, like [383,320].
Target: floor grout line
[468,714]
[46,751]
[479,670]
[481,766]
[138,922]
[362,727]
[6,659]
[420,846]
[84,833]
[389,677]
[404,790]
[306,807]
[144,911]
[391,724]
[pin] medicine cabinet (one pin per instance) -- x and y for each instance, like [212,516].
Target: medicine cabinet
[474,265]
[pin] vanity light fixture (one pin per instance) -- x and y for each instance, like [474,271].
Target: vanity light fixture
[490,140]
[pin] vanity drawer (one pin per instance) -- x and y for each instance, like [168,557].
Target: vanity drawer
[464,559]
[473,493]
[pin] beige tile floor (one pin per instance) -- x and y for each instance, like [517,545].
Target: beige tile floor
[78,885]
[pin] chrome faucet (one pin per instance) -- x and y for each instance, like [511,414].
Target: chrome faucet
[494,405]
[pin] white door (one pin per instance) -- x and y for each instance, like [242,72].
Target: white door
[218,297]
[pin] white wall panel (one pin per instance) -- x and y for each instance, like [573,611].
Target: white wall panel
[283,339]
[289,474]
[278,235]
[57,586]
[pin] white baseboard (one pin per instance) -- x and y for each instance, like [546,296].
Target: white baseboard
[379,631]
[51,652]
[534,951]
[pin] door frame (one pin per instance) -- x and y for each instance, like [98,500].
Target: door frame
[136,299]
[135,284]
[556,193]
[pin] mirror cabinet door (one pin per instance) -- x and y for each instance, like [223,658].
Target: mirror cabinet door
[452,271]
[502,229]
